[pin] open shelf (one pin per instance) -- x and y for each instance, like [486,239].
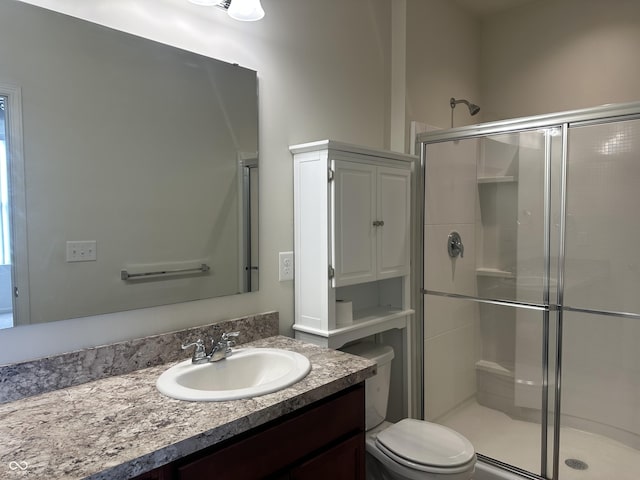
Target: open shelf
[365,323]
[498,179]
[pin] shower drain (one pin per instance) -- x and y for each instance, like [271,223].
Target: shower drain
[576,464]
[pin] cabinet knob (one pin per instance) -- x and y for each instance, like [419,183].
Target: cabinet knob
[378,223]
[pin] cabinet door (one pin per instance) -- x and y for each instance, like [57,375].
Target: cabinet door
[354,243]
[274,448]
[162,473]
[345,461]
[393,210]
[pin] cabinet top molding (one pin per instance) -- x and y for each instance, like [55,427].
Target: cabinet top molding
[350,148]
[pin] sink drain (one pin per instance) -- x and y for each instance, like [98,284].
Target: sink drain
[576,464]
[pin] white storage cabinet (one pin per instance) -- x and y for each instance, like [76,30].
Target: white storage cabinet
[352,208]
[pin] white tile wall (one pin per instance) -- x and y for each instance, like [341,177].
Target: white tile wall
[451,182]
[449,370]
[450,325]
[447,314]
[446,274]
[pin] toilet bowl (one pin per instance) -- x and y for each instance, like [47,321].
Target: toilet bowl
[409,449]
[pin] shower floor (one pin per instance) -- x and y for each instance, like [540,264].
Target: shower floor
[517,442]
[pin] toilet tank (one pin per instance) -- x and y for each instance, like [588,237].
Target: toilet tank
[376,387]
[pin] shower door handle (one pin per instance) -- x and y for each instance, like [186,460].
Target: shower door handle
[454,245]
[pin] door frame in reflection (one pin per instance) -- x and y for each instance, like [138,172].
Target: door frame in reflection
[16,202]
[249,200]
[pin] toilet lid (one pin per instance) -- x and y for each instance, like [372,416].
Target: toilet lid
[426,443]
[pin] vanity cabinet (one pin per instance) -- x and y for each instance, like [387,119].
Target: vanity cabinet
[324,440]
[345,461]
[162,473]
[352,215]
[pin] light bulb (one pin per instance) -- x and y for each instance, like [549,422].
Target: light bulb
[246,10]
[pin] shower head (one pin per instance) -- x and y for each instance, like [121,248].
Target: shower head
[473,108]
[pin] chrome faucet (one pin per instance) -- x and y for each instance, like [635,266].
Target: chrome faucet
[219,350]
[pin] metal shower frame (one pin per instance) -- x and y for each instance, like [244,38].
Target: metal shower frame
[563,121]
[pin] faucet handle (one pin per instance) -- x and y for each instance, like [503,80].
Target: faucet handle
[226,338]
[228,335]
[199,353]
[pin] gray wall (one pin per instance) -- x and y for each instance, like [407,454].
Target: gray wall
[552,56]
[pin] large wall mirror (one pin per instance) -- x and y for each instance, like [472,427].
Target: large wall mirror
[128,173]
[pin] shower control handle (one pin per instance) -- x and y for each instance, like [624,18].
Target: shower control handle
[454,245]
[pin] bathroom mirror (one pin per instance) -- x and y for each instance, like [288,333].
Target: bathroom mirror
[130,171]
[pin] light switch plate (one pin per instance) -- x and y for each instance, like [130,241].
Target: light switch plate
[81,251]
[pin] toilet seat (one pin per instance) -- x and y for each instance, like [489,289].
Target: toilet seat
[426,447]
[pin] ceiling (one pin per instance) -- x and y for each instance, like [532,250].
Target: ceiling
[486,7]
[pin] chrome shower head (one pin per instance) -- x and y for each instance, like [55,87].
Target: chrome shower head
[473,108]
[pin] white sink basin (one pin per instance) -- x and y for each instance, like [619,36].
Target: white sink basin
[249,372]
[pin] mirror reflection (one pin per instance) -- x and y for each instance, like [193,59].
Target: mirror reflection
[128,171]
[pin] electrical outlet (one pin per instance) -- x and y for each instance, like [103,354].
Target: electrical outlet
[81,251]
[285,266]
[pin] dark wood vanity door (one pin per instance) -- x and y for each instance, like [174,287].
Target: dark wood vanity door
[323,441]
[162,473]
[345,461]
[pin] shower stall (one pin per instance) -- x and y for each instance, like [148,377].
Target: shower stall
[531,291]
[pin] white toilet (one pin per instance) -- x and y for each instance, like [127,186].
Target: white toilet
[410,449]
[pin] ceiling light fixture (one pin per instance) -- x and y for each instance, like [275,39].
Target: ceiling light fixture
[246,10]
[243,10]
[205,3]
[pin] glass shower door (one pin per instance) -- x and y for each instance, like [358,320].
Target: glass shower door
[488,248]
[600,399]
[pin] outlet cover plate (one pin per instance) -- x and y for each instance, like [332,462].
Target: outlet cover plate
[285,266]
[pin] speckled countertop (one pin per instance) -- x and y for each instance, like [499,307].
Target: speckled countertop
[121,426]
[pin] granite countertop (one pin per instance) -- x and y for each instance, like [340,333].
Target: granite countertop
[121,426]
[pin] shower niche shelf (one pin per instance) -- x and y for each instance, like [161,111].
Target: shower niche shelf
[497,179]
[494,272]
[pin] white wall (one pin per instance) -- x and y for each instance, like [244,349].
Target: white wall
[443,61]
[550,56]
[323,71]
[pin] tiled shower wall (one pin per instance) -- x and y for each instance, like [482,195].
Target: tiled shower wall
[450,325]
